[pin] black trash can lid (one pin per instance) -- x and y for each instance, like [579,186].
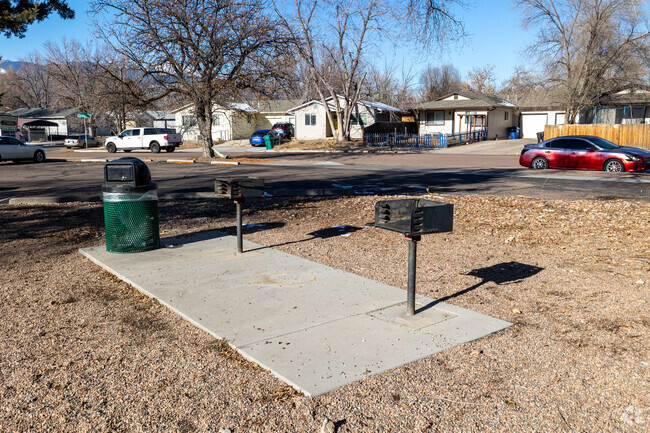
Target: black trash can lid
[127,170]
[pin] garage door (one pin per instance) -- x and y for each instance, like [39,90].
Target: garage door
[531,124]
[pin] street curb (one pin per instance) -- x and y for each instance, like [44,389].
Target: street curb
[224,163]
[94,160]
[180,161]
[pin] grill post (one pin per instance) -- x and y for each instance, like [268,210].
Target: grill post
[410,293]
[239,203]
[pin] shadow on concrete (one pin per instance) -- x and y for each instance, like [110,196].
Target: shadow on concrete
[501,273]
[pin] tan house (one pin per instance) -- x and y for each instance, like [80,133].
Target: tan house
[310,118]
[463,112]
[236,121]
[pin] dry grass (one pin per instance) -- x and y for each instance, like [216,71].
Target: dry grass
[83,351]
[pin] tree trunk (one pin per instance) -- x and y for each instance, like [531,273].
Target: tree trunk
[203,111]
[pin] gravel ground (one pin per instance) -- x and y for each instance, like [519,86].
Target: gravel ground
[83,351]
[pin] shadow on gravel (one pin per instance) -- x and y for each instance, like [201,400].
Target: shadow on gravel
[501,273]
[325,233]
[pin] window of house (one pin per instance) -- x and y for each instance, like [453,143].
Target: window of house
[189,120]
[216,120]
[362,116]
[505,116]
[310,119]
[435,117]
[470,120]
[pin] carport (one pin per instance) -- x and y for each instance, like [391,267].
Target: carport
[36,129]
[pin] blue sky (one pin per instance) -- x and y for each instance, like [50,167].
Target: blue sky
[495,37]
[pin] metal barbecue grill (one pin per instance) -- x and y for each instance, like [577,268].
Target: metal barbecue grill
[413,218]
[238,189]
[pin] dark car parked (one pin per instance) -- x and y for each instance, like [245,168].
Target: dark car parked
[584,152]
[257,138]
[284,129]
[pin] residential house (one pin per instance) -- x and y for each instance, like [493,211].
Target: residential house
[42,123]
[627,107]
[311,118]
[461,112]
[237,120]
[536,109]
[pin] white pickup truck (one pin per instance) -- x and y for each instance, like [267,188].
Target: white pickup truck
[144,138]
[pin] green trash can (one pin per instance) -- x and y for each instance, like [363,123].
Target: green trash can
[130,207]
[267,142]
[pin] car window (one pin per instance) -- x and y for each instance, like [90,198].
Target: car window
[126,133]
[604,144]
[580,145]
[3,141]
[11,141]
[561,143]
[136,132]
[150,131]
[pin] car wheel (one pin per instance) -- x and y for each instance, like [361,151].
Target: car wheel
[170,149]
[539,163]
[614,166]
[155,147]
[39,156]
[110,148]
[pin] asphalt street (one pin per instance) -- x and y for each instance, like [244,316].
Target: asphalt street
[319,174]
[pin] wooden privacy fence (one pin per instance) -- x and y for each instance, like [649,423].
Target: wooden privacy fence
[623,135]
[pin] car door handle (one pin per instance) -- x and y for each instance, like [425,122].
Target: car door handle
[573,153]
[547,151]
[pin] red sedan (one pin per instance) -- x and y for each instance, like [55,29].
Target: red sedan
[584,152]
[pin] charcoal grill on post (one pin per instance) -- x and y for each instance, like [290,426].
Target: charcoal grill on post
[237,189]
[413,218]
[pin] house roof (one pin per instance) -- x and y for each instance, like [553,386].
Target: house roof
[538,99]
[276,105]
[272,106]
[43,112]
[627,97]
[374,105]
[475,100]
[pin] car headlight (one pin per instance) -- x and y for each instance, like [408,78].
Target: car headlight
[632,158]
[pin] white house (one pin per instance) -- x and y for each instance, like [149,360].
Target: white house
[236,121]
[536,109]
[311,118]
[461,112]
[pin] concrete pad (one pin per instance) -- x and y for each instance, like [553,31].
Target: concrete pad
[315,327]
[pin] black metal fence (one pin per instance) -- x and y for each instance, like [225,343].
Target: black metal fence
[427,141]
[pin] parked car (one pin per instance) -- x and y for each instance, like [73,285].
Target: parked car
[153,139]
[80,141]
[284,129]
[257,138]
[12,149]
[584,152]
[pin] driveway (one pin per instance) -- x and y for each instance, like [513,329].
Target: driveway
[490,147]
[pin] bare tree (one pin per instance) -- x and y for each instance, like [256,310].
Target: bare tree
[481,79]
[31,84]
[75,71]
[390,86]
[205,50]
[334,37]
[589,47]
[437,81]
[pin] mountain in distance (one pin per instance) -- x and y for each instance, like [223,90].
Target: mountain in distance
[8,64]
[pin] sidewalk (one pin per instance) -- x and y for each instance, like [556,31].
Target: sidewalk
[314,327]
